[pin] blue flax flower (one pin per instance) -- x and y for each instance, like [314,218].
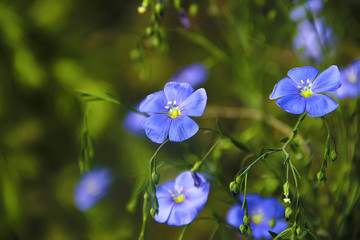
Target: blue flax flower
[92,186]
[170,111]
[267,214]
[181,200]
[301,91]
[194,74]
[311,6]
[350,87]
[314,40]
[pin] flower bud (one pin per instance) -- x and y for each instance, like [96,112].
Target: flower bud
[242,228]
[155,177]
[146,196]
[238,179]
[234,187]
[193,9]
[247,220]
[286,188]
[299,231]
[288,213]
[159,7]
[321,176]
[149,31]
[249,231]
[152,212]
[334,155]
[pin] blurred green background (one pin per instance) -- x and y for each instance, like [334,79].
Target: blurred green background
[51,49]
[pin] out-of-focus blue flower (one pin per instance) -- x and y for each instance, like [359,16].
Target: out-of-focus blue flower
[267,214]
[194,74]
[313,40]
[350,87]
[184,19]
[92,186]
[170,111]
[133,123]
[301,90]
[182,199]
[311,6]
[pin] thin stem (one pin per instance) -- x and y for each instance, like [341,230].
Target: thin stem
[183,232]
[263,156]
[294,132]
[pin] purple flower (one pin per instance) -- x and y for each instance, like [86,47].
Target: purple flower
[194,74]
[169,112]
[184,19]
[313,40]
[92,186]
[350,87]
[133,123]
[182,199]
[267,214]
[301,91]
[312,6]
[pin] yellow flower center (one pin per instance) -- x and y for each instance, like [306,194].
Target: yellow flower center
[257,219]
[174,110]
[178,196]
[306,88]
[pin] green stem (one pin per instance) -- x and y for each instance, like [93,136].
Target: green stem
[183,232]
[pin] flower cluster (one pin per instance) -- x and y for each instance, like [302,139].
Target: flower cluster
[267,214]
[92,186]
[301,91]
[181,200]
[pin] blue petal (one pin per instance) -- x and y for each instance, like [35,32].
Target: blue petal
[194,105]
[178,91]
[92,186]
[303,73]
[292,103]
[157,127]
[197,196]
[235,216]
[163,189]
[194,74]
[165,207]
[273,208]
[133,123]
[182,214]
[280,225]
[328,81]
[182,128]
[187,179]
[319,105]
[154,103]
[284,87]
[195,187]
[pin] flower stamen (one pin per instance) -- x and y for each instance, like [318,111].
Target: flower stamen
[174,110]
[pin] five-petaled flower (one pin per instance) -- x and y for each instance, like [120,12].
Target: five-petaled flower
[301,91]
[180,200]
[267,214]
[92,186]
[350,87]
[170,111]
